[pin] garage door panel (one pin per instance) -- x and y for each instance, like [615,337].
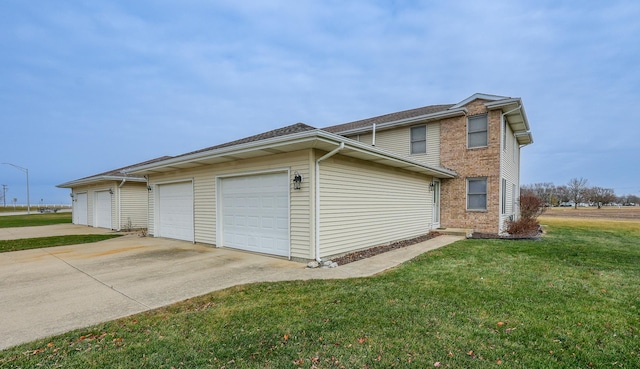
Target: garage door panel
[80,209]
[175,211]
[256,213]
[102,209]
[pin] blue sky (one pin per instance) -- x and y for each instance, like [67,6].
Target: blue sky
[89,86]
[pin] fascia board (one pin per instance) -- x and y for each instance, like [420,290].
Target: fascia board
[90,180]
[408,121]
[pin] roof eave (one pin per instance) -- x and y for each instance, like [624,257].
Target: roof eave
[524,138]
[90,180]
[311,139]
[254,145]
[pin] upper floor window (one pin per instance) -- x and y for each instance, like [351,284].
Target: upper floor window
[419,140]
[477,193]
[477,131]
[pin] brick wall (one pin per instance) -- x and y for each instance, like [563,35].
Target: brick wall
[477,162]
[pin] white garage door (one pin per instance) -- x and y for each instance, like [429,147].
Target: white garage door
[80,209]
[255,213]
[174,211]
[102,210]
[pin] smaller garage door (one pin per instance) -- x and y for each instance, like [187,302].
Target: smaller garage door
[102,210]
[255,213]
[80,209]
[174,211]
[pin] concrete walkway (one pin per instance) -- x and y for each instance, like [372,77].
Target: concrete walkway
[50,291]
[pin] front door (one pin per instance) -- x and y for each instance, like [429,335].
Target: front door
[436,204]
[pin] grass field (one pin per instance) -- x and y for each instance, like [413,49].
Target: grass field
[570,300]
[34,208]
[607,212]
[36,219]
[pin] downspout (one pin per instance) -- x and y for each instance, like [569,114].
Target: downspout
[324,157]
[120,204]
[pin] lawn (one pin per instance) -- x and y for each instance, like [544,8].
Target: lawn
[35,219]
[570,300]
[42,242]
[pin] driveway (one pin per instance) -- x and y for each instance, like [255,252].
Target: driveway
[54,290]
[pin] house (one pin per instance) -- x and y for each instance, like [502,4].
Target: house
[113,200]
[305,193]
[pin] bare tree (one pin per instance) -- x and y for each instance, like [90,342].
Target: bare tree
[577,190]
[562,194]
[600,196]
[544,191]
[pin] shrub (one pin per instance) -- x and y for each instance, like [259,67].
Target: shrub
[531,206]
[523,227]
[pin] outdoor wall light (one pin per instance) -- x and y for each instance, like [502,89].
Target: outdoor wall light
[297,180]
[149,188]
[111,191]
[432,185]
[71,194]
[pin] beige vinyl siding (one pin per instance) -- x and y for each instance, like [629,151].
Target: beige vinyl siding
[510,164]
[364,205]
[398,141]
[204,184]
[133,205]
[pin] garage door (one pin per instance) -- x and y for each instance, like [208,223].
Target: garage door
[174,211]
[102,210]
[255,213]
[80,209]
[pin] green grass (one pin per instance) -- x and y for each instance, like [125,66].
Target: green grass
[35,219]
[42,242]
[571,300]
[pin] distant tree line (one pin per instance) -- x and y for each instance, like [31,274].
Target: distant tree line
[575,192]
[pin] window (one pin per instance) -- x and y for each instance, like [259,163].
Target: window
[477,131]
[419,140]
[477,193]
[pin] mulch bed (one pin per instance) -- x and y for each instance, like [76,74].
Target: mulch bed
[363,254]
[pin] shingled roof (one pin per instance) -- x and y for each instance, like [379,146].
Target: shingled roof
[294,128]
[119,173]
[392,117]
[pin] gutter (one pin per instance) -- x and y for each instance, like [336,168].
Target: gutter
[317,175]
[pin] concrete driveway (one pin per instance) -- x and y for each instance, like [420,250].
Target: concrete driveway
[53,290]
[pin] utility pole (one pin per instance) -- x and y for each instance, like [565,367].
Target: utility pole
[26,171]
[4,195]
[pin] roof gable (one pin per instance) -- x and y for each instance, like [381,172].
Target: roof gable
[477,96]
